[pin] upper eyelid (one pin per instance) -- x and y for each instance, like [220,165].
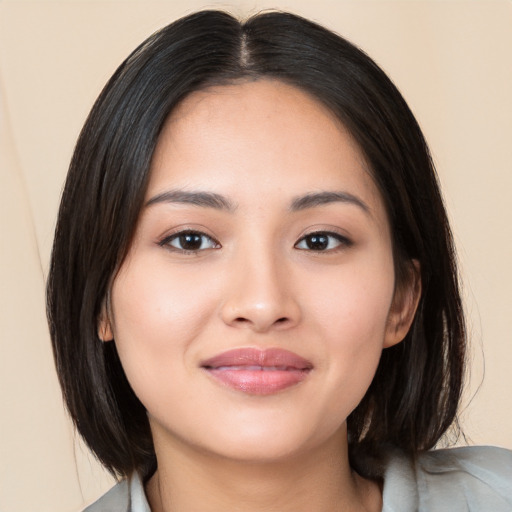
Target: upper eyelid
[188,228]
[329,232]
[183,231]
[341,238]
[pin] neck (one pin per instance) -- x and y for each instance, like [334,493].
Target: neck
[320,480]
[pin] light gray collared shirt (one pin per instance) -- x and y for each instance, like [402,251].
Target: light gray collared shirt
[469,479]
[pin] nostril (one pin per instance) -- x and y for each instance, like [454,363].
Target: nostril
[243,320]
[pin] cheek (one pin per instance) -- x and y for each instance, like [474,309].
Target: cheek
[156,318]
[152,299]
[352,303]
[351,320]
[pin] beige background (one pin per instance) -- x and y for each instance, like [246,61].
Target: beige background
[453,62]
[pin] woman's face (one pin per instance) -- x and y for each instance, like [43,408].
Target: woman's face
[258,293]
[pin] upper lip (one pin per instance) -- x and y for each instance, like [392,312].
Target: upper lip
[253,357]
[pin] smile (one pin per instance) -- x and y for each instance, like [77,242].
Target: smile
[258,372]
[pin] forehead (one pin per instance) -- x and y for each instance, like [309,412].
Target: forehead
[252,96]
[259,102]
[265,133]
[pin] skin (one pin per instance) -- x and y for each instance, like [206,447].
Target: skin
[255,281]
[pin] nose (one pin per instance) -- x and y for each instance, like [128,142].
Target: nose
[260,294]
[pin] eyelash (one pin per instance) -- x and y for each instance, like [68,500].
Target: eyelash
[179,236]
[327,236]
[340,240]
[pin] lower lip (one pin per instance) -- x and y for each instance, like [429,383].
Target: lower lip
[259,382]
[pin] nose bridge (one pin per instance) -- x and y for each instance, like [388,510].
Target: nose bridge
[259,294]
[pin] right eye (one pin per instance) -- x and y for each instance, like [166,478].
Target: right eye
[189,242]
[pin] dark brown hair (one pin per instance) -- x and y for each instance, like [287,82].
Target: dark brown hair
[414,396]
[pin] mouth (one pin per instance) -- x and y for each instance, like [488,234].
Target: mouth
[258,372]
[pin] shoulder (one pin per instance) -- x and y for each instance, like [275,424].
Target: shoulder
[482,476]
[115,500]
[453,480]
[126,496]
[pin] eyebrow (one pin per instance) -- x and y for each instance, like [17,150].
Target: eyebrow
[203,199]
[322,198]
[220,202]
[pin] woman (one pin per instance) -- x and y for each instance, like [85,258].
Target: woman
[253,297]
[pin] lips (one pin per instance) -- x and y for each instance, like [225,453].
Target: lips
[258,372]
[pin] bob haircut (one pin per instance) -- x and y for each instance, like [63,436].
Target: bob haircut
[414,395]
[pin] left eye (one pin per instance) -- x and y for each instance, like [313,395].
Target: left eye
[190,241]
[322,241]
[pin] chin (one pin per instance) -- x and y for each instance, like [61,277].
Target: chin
[269,441]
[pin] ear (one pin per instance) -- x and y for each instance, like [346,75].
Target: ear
[105,332]
[404,306]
